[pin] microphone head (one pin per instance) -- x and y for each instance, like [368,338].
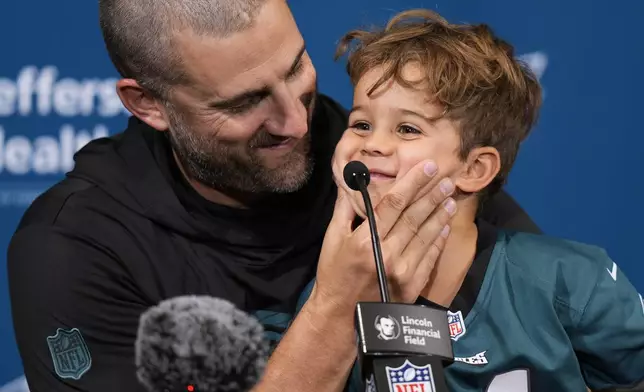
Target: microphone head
[201,341]
[354,169]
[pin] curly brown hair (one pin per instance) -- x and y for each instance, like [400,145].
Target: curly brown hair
[493,97]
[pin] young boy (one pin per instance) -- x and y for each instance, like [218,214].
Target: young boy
[527,312]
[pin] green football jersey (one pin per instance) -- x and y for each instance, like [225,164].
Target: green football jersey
[551,315]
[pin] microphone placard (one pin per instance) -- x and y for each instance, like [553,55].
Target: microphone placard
[394,328]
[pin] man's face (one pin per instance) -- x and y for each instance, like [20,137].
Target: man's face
[243,123]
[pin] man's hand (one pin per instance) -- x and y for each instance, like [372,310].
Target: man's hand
[412,221]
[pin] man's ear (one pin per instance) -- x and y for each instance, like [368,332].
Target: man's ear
[142,104]
[482,166]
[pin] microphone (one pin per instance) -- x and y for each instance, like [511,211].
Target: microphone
[357,177]
[199,344]
[401,347]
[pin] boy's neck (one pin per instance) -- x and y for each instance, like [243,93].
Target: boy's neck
[455,261]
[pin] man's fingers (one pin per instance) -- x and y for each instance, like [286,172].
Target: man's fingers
[409,277]
[425,241]
[427,264]
[401,195]
[418,214]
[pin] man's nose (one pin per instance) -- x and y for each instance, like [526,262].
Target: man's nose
[291,119]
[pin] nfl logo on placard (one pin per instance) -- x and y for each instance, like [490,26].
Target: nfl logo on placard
[410,378]
[456,325]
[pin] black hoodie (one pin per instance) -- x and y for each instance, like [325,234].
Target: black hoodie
[124,231]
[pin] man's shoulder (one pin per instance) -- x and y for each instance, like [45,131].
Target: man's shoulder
[74,217]
[79,194]
[72,198]
[47,207]
[62,236]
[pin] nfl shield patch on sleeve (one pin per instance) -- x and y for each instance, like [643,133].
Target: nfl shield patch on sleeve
[69,353]
[456,325]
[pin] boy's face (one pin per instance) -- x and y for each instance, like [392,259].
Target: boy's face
[391,131]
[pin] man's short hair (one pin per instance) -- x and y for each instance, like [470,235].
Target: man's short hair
[493,97]
[138,34]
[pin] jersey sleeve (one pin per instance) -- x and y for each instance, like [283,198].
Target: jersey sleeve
[75,315]
[609,336]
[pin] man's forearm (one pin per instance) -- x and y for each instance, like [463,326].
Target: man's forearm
[316,354]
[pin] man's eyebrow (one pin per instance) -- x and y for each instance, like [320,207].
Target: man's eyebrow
[296,62]
[242,98]
[259,93]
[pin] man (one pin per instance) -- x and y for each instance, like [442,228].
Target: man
[221,185]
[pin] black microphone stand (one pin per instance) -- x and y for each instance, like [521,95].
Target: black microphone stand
[362,182]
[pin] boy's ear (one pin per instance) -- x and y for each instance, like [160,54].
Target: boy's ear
[482,166]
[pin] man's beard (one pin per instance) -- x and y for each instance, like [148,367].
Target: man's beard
[240,171]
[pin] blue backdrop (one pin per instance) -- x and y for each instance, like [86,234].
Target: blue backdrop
[579,175]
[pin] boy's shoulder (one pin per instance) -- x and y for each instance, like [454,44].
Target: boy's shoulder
[565,270]
[539,253]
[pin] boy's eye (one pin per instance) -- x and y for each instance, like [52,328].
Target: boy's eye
[406,130]
[361,126]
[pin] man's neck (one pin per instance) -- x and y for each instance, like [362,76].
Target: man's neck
[455,261]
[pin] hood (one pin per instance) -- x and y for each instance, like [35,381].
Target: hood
[127,167]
